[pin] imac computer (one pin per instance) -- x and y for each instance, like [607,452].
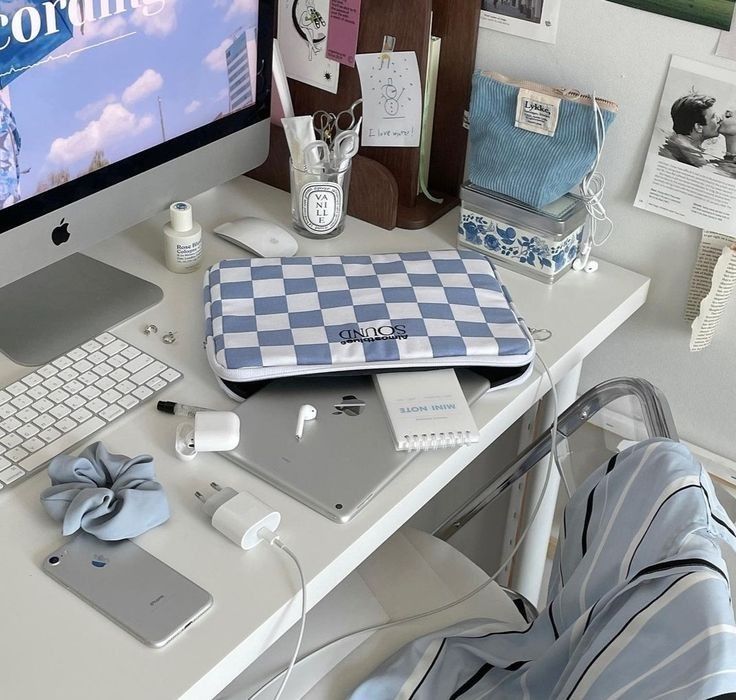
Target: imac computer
[110,110]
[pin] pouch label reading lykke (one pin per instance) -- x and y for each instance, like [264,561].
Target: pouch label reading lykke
[537,112]
[321,206]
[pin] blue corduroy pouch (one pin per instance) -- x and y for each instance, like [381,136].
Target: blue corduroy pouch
[529,141]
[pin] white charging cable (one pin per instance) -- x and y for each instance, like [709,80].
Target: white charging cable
[591,190]
[555,405]
[459,601]
[269,536]
[247,521]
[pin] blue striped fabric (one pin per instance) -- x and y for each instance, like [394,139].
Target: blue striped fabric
[640,602]
[527,166]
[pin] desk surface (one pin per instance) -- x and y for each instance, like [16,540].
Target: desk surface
[54,645]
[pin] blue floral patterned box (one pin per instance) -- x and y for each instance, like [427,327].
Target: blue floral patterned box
[538,243]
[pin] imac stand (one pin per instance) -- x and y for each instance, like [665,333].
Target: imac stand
[65,304]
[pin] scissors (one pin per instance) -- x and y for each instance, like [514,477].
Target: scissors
[349,115]
[328,125]
[324,124]
[320,154]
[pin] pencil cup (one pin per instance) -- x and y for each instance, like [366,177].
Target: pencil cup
[319,198]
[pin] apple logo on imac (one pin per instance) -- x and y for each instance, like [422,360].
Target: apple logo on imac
[61,233]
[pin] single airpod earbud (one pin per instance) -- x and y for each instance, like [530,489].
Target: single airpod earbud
[306,412]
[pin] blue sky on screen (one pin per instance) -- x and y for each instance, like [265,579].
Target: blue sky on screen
[105,95]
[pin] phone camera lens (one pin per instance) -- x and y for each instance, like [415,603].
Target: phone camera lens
[54,560]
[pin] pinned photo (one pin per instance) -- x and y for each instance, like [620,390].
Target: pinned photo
[711,13]
[697,125]
[531,19]
[525,10]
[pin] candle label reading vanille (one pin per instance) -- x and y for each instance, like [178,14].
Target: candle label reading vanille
[321,206]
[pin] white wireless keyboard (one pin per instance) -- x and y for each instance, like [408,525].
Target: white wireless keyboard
[59,405]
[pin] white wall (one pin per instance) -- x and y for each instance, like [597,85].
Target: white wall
[623,55]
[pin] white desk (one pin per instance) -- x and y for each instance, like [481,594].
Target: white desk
[53,645]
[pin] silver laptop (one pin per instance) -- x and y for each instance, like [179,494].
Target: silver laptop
[346,454]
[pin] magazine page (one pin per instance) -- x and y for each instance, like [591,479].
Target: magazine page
[713,305]
[690,171]
[712,246]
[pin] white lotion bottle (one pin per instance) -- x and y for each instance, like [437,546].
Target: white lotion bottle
[182,239]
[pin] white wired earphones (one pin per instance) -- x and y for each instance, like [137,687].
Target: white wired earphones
[591,190]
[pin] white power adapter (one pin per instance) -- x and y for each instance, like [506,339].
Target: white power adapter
[240,516]
[247,520]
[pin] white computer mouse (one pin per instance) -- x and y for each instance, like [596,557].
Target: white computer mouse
[263,238]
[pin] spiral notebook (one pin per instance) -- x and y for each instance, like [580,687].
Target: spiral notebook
[426,410]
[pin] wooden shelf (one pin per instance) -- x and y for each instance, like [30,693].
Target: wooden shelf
[384,181]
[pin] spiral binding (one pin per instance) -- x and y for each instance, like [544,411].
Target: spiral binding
[436,441]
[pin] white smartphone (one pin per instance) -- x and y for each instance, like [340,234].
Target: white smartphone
[146,597]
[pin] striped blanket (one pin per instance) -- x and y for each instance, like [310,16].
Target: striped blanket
[640,604]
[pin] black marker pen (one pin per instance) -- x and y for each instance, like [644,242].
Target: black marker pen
[178,409]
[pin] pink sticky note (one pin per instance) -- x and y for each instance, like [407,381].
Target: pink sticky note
[342,37]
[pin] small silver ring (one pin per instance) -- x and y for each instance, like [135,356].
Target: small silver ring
[540,334]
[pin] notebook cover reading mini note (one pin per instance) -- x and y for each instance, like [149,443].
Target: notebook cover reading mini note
[426,410]
[285,317]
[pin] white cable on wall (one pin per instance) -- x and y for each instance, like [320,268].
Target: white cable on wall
[591,190]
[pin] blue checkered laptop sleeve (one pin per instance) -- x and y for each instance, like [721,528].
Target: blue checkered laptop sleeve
[268,317]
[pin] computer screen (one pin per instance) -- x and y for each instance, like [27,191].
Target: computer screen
[87,84]
[110,110]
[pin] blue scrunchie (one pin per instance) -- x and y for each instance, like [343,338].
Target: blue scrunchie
[112,497]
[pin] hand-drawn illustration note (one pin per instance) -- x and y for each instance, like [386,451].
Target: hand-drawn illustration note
[392,98]
[303,28]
